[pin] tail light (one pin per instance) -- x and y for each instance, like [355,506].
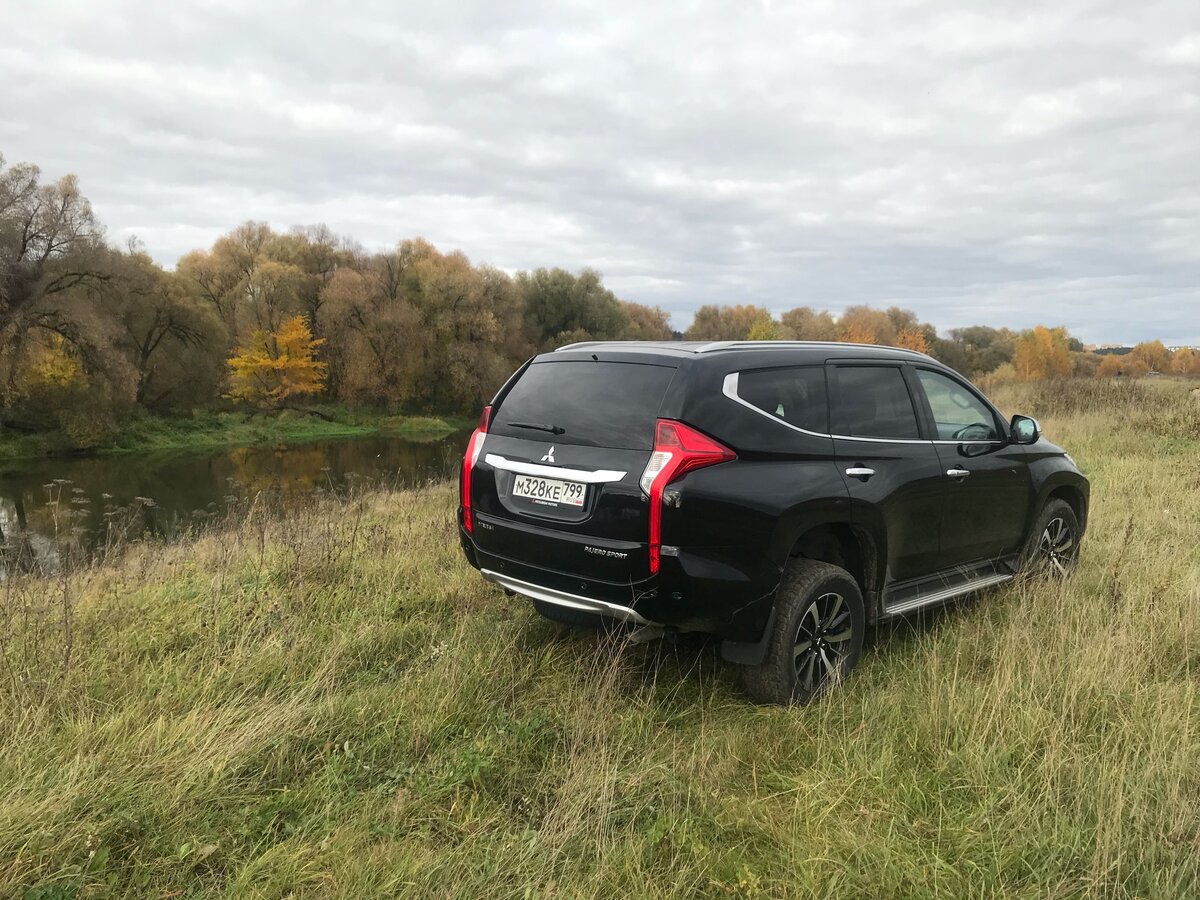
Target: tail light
[678,449]
[470,457]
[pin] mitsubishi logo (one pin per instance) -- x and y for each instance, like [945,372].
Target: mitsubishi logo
[549,457]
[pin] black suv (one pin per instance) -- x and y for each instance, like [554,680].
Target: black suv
[781,495]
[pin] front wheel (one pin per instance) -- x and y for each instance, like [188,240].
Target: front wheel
[816,638]
[1052,547]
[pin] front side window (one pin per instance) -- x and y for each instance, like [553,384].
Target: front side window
[872,401]
[958,414]
[794,395]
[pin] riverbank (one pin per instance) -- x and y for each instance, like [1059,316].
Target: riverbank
[335,704]
[214,430]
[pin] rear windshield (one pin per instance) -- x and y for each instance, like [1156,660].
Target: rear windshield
[597,404]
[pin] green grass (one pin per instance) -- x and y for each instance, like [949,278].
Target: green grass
[228,429]
[334,704]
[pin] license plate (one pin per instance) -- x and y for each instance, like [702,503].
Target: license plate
[549,491]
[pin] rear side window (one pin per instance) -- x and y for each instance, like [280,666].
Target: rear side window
[795,395]
[872,401]
[596,404]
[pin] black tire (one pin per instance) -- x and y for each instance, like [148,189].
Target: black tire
[1052,547]
[575,618]
[816,638]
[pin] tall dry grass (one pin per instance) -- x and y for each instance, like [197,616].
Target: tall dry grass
[333,704]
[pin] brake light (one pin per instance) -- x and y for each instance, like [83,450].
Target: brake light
[678,449]
[470,457]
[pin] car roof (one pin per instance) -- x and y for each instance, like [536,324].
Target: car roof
[706,348]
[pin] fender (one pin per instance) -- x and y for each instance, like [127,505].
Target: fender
[791,528]
[1051,470]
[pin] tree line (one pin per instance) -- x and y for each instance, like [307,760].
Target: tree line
[91,333]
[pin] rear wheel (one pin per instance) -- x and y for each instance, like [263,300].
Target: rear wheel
[816,638]
[1052,547]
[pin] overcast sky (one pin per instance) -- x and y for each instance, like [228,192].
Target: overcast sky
[1007,163]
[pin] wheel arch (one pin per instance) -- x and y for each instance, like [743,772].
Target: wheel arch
[1070,487]
[1074,497]
[832,539]
[845,545]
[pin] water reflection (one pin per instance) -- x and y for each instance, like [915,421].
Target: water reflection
[44,503]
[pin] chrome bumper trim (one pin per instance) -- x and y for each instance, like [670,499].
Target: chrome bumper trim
[562,598]
[600,476]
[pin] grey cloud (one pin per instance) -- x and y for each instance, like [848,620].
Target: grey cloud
[1007,165]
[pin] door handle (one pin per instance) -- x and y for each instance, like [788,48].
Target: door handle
[958,473]
[860,472]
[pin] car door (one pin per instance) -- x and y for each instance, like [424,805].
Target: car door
[988,490]
[893,475]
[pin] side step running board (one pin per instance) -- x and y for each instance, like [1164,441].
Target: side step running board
[946,594]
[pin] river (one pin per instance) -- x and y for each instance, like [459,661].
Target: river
[46,501]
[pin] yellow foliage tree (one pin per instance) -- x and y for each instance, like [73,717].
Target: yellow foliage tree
[1042,353]
[857,334]
[864,325]
[912,339]
[1127,364]
[765,329]
[49,367]
[1185,361]
[1156,357]
[277,366]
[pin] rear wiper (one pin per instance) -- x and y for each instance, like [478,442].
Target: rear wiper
[538,426]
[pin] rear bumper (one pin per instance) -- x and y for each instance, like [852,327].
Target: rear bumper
[711,590]
[562,598]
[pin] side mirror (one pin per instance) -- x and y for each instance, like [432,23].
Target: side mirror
[1025,430]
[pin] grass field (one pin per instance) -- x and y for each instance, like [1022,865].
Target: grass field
[209,430]
[333,704]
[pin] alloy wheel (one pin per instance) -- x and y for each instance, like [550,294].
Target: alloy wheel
[1058,547]
[822,640]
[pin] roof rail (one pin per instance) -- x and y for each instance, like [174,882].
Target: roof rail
[713,346]
[754,345]
[579,345]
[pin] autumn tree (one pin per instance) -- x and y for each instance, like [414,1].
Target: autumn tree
[1122,364]
[1042,353]
[864,325]
[912,338]
[277,367]
[645,323]
[1185,361]
[471,321]
[1155,356]
[318,254]
[51,253]
[725,323]
[254,278]
[765,329]
[214,280]
[903,319]
[166,334]
[984,348]
[374,336]
[557,302]
[806,324]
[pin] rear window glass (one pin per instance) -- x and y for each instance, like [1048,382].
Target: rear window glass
[795,395]
[873,401]
[596,404]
